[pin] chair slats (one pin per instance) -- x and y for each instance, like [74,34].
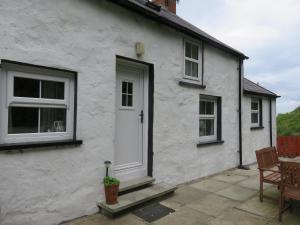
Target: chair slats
[290,184]
[267,160]
[274,177]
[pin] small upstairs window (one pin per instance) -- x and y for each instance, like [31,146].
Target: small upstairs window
[192,62]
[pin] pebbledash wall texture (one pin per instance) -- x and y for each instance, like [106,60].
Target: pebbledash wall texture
[49,185]
[254,139]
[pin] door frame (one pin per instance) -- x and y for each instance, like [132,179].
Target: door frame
[150,70]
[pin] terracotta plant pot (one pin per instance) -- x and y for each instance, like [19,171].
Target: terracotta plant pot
[111,194]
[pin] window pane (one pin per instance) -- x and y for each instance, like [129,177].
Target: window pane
[210,127]
[129,91]
[206,108]
[188,68]
[124,99]
[53,120]
[210,108]
[53,89]
[202,127]
[202,109]
[22,120]
[195,52]
[206,127]
[188,50]
[124,87]
[254,105]
[194,69]
[129,100]
[24,87]
[254,117]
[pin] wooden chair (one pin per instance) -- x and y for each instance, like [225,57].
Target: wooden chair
[268,165]
[290,184]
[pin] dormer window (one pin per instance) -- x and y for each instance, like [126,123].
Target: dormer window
[192,62]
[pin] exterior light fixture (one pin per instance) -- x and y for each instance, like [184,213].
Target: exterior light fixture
[139,48]
[107,165]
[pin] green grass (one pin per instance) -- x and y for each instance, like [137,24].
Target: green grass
[288,124]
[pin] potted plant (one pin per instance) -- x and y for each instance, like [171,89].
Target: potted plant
[111,186]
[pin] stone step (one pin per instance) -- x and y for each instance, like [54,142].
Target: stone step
[135,198]
[126,186]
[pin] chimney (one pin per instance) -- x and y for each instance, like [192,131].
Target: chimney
[168,4]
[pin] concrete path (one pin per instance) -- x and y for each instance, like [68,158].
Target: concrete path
[228,198]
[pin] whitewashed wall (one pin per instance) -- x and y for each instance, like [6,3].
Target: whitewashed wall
[176,158]
[256,139]
[47,186]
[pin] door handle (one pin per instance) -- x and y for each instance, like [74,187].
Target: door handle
[142,116]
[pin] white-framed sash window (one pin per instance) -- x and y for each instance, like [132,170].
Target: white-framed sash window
[207,118]
[255,112]
[192,60]
[36,107]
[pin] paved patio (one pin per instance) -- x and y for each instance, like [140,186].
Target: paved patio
[228,198]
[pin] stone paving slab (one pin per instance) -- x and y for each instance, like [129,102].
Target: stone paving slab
[238,217]
[289,218]
[229,178]
[244,172]
[98,219]
[210,185]
[253,166]
[171,204]
[237,193]
[213,205]
[252,183]
[267,209]
[188,194]
[185,216]
[271,192]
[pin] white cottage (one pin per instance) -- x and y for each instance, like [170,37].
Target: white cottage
[128,81]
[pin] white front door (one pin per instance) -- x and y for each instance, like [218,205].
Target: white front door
[131,121]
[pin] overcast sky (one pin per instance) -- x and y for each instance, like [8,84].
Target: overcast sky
[268,31]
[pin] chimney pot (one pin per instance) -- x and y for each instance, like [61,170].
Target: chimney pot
[168,4]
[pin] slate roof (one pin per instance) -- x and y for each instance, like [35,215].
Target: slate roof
[253,88]
[170,19]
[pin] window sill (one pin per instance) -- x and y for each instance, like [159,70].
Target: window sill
[257,128]
[206,143]
[21,146]
[191,83]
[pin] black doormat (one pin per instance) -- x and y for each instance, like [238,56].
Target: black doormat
[153,212]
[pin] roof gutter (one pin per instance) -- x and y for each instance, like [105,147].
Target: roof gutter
[261,94]
[132,6]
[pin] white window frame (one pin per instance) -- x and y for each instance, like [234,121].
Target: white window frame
[199,61]
[9,100]
[133,94]
[205,116]
[255,100]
